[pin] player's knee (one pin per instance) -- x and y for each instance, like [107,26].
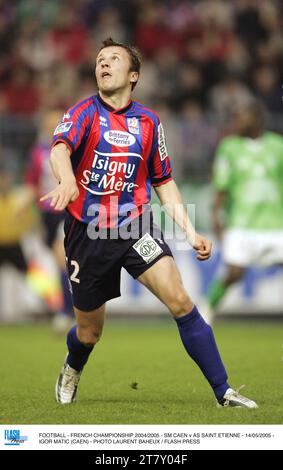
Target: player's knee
[181,303]
[89,336]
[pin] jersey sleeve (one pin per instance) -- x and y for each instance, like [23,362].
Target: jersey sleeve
[161,168]
[222,167]
[71,130]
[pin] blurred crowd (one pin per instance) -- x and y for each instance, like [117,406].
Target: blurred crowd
[200,58]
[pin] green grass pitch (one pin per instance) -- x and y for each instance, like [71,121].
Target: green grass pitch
[140,374]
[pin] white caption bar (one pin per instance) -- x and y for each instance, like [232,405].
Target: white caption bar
[141,437]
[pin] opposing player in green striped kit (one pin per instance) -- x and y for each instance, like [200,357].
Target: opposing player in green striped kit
[247,176]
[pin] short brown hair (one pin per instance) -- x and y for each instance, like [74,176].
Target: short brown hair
[133,52]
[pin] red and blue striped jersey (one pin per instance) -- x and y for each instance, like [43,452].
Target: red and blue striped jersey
[116,156]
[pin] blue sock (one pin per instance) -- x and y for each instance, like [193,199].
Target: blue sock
[199,342]
[78,352]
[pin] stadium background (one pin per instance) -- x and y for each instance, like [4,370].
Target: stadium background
[199,59]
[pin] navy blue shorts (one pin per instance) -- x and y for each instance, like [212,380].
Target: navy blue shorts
[94,264]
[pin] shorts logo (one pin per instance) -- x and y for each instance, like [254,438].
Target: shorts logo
[147,248]
[63,127]
[119,138]
[133,125]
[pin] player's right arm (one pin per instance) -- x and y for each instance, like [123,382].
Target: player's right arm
[67,138]
[67,190]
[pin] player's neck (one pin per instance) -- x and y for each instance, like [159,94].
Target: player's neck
[116,100]
[253,133]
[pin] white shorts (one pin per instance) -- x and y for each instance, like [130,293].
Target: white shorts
[246,247]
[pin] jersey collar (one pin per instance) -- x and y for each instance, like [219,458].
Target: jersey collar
[113,110]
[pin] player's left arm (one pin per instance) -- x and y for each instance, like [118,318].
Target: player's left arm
[171,199]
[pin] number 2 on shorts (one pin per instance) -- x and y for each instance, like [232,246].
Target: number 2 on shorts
[74,275]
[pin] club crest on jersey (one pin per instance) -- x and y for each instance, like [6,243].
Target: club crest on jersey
[133,125]
[119,138]
[63,127]
[103,121]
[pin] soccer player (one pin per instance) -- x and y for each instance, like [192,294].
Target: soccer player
[108,151]
[248,172]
